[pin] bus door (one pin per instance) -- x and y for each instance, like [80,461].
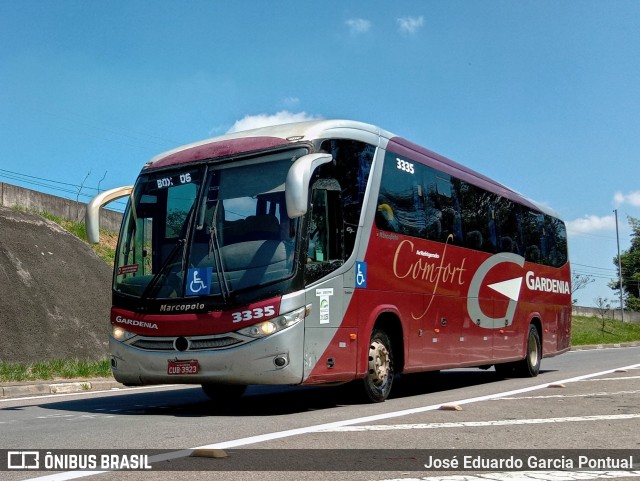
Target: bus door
[330,347]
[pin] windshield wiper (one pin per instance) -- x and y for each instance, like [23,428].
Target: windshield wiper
[180,245]
[168,261]
[214,246]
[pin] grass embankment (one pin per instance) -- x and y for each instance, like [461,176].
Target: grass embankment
[108,240]
[592,330]
[56,369]
[65,368]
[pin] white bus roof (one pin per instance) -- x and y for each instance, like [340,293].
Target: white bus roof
[334,128]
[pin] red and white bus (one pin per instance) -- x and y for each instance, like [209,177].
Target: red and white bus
[326,252]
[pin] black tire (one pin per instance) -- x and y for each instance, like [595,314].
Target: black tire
[530,365]
[377,384]
[224,394]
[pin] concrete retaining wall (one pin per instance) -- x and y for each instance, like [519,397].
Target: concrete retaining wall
[14,196]
[629,316]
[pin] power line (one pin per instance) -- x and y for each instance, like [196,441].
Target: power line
[593,267]
[578,233]
[56,185]
[38,178]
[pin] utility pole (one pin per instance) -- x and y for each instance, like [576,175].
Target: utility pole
[619,268]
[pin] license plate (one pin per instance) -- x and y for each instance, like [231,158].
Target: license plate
[182,367]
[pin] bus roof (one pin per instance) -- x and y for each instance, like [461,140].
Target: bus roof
[264,137]
[281,135]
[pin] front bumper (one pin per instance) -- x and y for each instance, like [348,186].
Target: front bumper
[257,362]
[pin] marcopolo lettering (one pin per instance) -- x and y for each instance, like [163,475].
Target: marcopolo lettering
[544,284]
[181,307]
[135,322]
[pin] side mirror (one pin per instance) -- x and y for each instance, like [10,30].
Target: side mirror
[93,210]
[296,189]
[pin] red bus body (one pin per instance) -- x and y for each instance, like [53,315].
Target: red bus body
[427,266]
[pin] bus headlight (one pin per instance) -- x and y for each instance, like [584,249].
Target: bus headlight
[121,334]
[266,328]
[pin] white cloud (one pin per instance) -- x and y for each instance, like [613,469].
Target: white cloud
[264,120]
[291,101]
[358,25]
[410,25]
[632,198]
[591,223]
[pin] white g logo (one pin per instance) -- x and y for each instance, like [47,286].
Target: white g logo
[510,288]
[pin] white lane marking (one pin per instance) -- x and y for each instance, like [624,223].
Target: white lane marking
[463,424]
[334,425]
[556,396]
[614,378]
[529,475]
[126,390]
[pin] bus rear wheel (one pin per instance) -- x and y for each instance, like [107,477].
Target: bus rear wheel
[224,394]
[379,378]
[530,365]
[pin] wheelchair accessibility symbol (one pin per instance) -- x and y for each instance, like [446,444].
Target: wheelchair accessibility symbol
[361,274]
[199,281]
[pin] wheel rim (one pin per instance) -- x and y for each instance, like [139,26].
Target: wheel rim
[379,362]
[533,351]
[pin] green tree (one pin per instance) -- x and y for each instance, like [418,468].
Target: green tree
[630,260]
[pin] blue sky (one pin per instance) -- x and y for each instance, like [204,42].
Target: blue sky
[543,96]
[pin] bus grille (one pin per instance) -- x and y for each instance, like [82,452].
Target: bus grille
[213,343]
[154,345]
[195,344]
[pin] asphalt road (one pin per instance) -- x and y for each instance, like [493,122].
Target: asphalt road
[581,400]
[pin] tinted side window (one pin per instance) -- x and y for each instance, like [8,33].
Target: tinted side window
[555,238]
[509,235]
[417,200]
[401,202]
[442,207]
[351,168]
[478,217]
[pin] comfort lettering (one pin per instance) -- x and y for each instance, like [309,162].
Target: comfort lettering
[425,269]
[434,271]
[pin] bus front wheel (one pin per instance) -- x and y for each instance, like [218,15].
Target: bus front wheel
[377,383]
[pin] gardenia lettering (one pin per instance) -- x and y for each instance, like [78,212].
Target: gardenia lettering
[544,284]
[135,322]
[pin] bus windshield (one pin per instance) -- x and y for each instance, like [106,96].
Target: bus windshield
[209,230]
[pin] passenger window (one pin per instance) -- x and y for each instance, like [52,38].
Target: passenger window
[318,228]
[401,201]
[351,168]
[325,242]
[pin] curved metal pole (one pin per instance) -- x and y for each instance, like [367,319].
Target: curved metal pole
[93,210]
